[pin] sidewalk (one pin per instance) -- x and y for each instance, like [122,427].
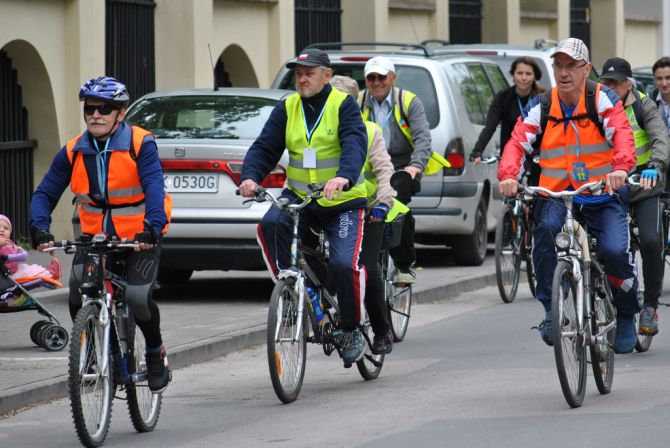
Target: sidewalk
[213,315]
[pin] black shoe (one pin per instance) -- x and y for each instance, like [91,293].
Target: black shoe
[158,374]
[382,345]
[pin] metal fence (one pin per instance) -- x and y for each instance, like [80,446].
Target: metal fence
[129,44]
[317,21]
[16,153]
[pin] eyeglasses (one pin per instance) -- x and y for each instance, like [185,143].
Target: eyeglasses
[104,109]
[374,77]
[569,67]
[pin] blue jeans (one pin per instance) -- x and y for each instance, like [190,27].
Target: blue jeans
[608,223]
[343,225]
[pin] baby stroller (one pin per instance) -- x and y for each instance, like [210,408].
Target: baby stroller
[14,297]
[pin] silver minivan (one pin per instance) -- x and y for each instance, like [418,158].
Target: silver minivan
[202,137]
[459,206]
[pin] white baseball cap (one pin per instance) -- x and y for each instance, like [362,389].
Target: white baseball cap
[573,47]
[380,65]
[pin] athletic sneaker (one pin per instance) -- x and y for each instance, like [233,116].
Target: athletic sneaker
[383,345]
[158,372]
[352,346]
[546,330]
[648,321]
[404,276]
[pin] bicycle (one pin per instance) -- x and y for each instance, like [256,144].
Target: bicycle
[644,340]
[513,244]
[289,327]
[106,349]
[398,295]
[581,304]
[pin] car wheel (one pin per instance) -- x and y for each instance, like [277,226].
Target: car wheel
[470,250]
[167,275]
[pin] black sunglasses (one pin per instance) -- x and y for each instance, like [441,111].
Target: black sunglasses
[104,109]
[374,77]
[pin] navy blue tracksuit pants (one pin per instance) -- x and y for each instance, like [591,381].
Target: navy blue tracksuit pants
[344,229]
[609,224]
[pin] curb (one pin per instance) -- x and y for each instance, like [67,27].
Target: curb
[214,347]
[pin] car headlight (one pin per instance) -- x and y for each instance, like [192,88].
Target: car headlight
[562,240]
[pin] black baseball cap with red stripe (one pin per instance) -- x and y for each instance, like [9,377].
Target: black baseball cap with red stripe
[311,57]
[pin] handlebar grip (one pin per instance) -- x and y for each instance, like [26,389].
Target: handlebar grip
[19,257]
[237,192]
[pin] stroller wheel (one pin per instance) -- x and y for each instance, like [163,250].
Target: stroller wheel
[34,331]
[53,338]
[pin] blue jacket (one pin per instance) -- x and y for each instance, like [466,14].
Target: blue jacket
[57,179]
[268,148]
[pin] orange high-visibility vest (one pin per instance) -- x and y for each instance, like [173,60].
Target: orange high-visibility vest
[125,195]
[573,158]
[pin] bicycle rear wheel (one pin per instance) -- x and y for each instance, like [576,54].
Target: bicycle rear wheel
[370,365]
[286,348]
[90,384]
[398,301]
[507,254]
[602,355]
[144,406]
[569,348]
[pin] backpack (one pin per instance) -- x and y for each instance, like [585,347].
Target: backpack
[637,108]
[398,99]
[591,111]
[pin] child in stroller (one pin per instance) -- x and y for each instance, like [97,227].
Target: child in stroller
[16,278]
[22,270]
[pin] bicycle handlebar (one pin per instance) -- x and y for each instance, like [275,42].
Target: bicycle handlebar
[263,195]
[97,242]
[595,187]
[489,160]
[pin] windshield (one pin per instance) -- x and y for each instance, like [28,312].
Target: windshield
[202,117]
[415,79]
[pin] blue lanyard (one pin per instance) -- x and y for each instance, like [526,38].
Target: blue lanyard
[101,165]
[308,131]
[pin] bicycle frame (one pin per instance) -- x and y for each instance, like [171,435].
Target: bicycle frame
[577,252]
[97,290]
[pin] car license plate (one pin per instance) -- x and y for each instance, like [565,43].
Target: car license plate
[191,183]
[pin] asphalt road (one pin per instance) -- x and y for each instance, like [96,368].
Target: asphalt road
[470,373]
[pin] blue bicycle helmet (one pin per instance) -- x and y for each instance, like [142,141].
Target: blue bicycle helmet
[105,89]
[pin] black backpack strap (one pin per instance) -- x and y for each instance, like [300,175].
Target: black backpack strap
[131,150]
[364,100]
[637,109]
[591,108]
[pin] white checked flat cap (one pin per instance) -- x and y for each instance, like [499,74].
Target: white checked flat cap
[573,47]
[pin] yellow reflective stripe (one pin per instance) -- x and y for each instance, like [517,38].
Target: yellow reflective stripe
[320,164]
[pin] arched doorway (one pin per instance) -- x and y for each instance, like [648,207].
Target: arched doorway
[25,151]
[234,69]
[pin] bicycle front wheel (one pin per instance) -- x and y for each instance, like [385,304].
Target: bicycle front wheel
[370,365]
[569,347]
[507,254]
[90,378]
[144,406]
[286,348]
[602,355]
